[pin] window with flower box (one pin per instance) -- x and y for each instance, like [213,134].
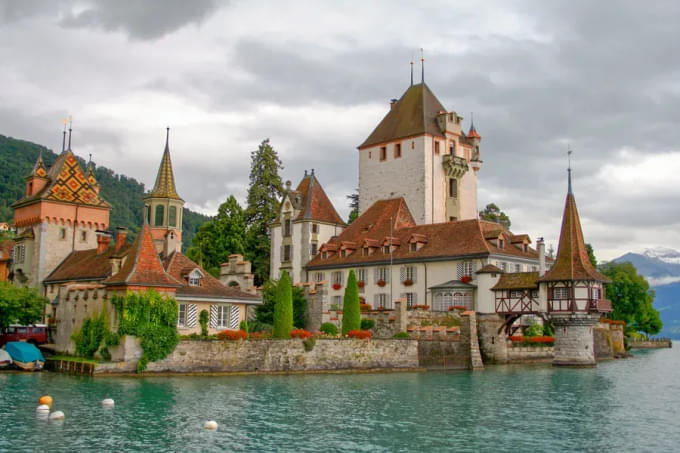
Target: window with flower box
[407,274]
[382,300]
[361,275]
[465,268]
[337,278]
[382,274]
[411,299]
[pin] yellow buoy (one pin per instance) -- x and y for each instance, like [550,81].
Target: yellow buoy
[210,425]
[45,399]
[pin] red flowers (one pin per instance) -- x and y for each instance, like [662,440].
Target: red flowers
[232,335]
[381,283]
[537,340]
[360,334]
[457,307]
[337,286]
[466,279]
[361,284]
[300,333]
[408,282]
[422,307]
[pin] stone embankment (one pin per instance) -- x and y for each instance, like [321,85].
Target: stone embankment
[654,343]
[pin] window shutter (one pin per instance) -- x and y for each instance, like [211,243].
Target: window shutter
[213,316]
[376,300]
[402,274]
[376,274]
[415,298]
[191,315]
[387,274]
[415,274]
[291,253]
[460,270]
[233,320]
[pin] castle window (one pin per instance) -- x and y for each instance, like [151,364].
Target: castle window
[365,251]
[436,147]
[525,248]
[83,236]
[397,150]
[159,215]
[182,315]
[62,233]
[315,228]
[412,144]
[465,269]
[504,266]
[337,278]
[172,216]
[287,228]
[410,299]
[413,247]
[453,188]
[337,302]
[148,214]
[223,313]
[361,275]
[383,153]
[515,294]
[501,243]
[534,293]
[324,255]
[386,249]
[382,273]
[314,249]
[286,253]
[319,277]
[19,253]
[518,268]
[407,273]
[452,148]
[381,301]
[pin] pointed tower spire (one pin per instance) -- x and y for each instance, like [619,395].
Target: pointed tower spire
[422,65]
[411,71]
[63,139]
[165,179]
[569,170]
[472,133]
[70,130]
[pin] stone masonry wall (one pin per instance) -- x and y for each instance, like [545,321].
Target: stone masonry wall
[493,345]
[574,345]
[531,354]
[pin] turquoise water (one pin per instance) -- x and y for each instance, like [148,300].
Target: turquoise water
[625,405]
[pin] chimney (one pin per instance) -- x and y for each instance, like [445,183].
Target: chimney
[121,235]
[393,101]
[540,244]
[103,240]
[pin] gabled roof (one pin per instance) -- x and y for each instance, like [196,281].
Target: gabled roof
[572,262]
[414,114]
[87,265]
[143,267]
[165,179]
[67,183]
[179,266]
[38,170]
[316,205]
[517,280]
[454,284]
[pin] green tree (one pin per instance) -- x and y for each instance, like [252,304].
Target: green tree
[220,237]
[264,195]
[492,213]
[19,305]
[351,314]
[264,313]
[354,206]
[591,255]
[631,298]
[203,319]
[283,310]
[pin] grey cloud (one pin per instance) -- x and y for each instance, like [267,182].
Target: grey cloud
[141,20]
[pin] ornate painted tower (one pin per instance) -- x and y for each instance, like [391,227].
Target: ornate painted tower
[575,292]
[420,152]
[59,213]
[163,207]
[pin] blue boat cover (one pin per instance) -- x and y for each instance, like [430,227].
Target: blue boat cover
[23,352]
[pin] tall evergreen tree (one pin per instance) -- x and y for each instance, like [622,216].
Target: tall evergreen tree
[283,310]
[353,205]
[220,237]
[351,314]
[264,195]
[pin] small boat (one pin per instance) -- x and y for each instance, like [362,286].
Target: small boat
[25,356]
[5,359]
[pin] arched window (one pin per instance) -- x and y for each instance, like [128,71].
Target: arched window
[458,299]
[172,216]
[159,215]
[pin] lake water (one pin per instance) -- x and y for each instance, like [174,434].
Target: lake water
[625,405]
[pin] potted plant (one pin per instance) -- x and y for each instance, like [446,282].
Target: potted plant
[408,282]
[337,286]
[466,279]
[361,284]
[381,283]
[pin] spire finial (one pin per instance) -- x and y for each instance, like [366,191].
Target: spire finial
[167,137]
[422,65]
[569,151]
[312,172]
[70,130]
[411,70]
[305,173]
[63,139]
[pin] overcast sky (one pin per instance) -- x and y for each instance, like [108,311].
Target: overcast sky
[316,78]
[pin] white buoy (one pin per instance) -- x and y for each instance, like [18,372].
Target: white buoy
[210,425]
[42,411]
[57,415]
[108,402]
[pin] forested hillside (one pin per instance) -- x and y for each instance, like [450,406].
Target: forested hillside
[124,194]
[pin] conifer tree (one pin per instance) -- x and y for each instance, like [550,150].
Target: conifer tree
[354,206]
[283,310]
[351,315]
[264,195]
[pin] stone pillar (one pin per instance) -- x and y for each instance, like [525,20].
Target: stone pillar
[618,347]
[574,344]
[493,345]
[315,295]
[400,315]
[237,271]
[469,330]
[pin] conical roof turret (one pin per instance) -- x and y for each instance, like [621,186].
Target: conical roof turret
[39,169]
[165,179]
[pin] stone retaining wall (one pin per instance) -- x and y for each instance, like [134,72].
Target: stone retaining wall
[530,354]
[651,344]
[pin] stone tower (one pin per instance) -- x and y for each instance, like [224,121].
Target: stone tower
[420,152]
[60,212]
[307,219]
[163,207]
[575,292]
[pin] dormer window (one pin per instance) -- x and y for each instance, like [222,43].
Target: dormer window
[501,243]
[525,248]
[413,247]
[365,251]
[195,278]
[386,249]
[324,255]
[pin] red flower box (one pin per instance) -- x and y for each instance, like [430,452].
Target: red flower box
[381,283]
[365,307]
[337,286]
[360,334]
[466,279]
[537,340]
[422,307]
[408,282]
[300,333]
[232,335]
[361,284]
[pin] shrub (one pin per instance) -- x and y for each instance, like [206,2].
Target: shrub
[534,330]
[233,284]
[300,333]
[367,324]
[283,310]
[351,318]
[329,328]
[365,307]
[360,334]
[91,335]
[548,329]
[257,326]
[243,325]
[309,344]
[401,335]
[335,307]
[203,319]
[232,335]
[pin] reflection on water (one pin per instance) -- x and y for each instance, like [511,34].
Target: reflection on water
[628,405]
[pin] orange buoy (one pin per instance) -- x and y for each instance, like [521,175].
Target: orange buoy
[46,399]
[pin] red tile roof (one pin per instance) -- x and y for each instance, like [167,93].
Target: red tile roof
[87,265]
[179,265]
[572,262]
[459,238]
[317,206]
[414,114]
